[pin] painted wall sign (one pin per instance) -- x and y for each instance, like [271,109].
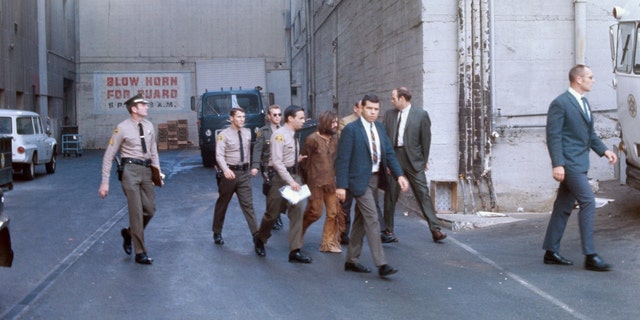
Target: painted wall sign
[165,91]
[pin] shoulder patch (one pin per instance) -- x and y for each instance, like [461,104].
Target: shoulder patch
[115,130]
[279,138]
[220,137]
[111,141]
[259,134]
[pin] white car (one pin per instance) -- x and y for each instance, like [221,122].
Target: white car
[31,144]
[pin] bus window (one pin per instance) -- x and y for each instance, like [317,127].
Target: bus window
[625,45]
[636,63]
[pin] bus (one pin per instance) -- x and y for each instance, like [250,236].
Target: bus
[625,56]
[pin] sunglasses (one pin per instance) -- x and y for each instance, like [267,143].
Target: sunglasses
[276,114]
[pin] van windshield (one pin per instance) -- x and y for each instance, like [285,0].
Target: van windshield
[221,104]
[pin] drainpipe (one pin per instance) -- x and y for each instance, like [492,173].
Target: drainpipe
[311,63]
[475,106]
[334,47]
[580,7]
[43,92]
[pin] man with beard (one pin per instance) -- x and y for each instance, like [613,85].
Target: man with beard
[319,174]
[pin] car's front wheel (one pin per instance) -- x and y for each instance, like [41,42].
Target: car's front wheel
[51,165]
[29,169]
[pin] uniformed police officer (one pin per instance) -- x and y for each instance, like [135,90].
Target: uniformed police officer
[262,153]
[135,139]
[285,151]
[233,153]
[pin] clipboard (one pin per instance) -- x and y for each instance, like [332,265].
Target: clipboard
[295,196]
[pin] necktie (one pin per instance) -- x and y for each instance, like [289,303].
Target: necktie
[296,151]
[398,129]
[585,108]
[144,144]
[241,147]
[374,148]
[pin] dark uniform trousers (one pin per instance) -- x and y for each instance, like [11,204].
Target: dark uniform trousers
[141,201]
[241,186]
[277,204]
[418,182]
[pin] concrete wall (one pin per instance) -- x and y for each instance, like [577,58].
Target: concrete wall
[384,44]
[148,36]
[18,54]
[534,49]
[37,58]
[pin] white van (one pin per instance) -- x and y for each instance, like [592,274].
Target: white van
[31,143]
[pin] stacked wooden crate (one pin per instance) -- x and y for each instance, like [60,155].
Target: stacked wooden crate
[163,132]
[183,133]
[173,134]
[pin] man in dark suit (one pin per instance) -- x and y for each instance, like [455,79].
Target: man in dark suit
[409,127]
[364,151]
[570,135]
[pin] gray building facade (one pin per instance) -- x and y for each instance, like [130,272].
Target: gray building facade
[38,59]
[485,71]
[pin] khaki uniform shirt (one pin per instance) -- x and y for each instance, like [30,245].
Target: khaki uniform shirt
[126,140]
[228,147]
[345,121]
[262,148]
[284,150]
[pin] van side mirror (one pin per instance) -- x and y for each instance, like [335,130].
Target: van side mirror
[193,103]
[47,126]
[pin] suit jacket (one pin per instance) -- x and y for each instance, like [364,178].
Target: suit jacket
[353,164]
[345,121]
[570,135]
[416,137]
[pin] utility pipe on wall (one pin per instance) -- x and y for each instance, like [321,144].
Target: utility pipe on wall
[580,21]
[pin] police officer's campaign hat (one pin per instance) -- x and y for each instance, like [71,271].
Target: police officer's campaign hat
[138,98]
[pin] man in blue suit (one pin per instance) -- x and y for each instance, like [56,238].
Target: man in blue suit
[364,153]
[570,135]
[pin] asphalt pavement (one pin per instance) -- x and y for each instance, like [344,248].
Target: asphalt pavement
[69,263]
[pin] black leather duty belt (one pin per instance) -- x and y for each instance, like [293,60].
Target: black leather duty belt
[239,167]
[144,163]
[291,170]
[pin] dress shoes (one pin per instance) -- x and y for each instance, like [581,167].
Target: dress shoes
[142,258]
[344,238]
[278,225]
[217,238]
[296,256]
[438,235]
[356,267]
[258,246]
[551,257]
[126,240]
[388,237]
[385,270]
[593,262]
